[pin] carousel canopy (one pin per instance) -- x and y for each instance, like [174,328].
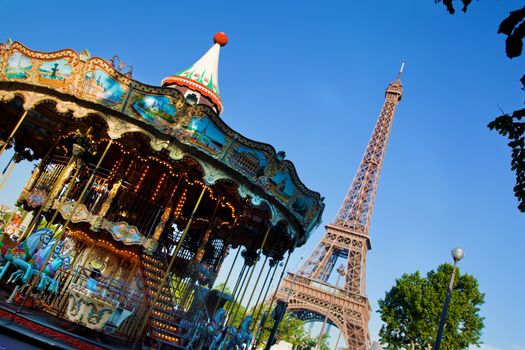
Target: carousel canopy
[175,122]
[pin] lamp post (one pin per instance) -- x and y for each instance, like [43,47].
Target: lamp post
[457,255]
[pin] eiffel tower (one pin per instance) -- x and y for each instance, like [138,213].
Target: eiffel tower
[311,296]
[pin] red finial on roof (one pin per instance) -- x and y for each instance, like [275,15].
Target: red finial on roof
[220,38]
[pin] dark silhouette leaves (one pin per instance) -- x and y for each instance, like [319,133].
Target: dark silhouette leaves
[513,127]
[514,28]
[510,126]
[450,7]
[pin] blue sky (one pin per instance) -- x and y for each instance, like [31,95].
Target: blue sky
[309,78]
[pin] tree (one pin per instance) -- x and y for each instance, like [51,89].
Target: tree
[509,125]
[291,330]
[411,311]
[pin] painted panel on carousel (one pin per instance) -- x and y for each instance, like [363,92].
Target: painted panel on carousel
[250,161]
[55,73]
[18,66]
[204,133]
[128,234]
[305,207]
[99,86]
[158,110]
[282,185]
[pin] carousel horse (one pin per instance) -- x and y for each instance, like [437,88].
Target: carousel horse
[48,273]
[228,341]
[196,330]
[244,336]
[217,330]
[21,254]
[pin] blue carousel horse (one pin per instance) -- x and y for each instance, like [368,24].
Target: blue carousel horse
[244,336]
[218,329]
[228,341]
[48,273]
[212,329]
[196,330]
[24,252]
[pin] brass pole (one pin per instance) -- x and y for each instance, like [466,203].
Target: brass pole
[33,179]
[7,175]
[251,273]
[6,142]
[53,188]
[164,278]
[264,286]
[207,232]
[254,287]
[227,277]
[241,280]
[259,309]
[61,202]
[273,298]
[63,230]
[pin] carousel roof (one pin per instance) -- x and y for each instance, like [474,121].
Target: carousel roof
[83,85]
[203,75]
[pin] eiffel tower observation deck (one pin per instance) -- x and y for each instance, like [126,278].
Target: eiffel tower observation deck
[310,295]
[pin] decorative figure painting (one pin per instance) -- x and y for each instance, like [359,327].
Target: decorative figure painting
[155,109]
[250,161]
[100,86]
[282,185]
[205,134]
[55,73]
[303,206]
[18,66]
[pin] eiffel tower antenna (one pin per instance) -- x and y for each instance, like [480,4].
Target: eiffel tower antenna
[312,296]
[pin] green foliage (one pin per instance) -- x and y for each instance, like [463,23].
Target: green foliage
[291,330]
[411,311]
[513,27]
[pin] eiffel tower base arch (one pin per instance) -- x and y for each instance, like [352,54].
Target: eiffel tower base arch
[348,312]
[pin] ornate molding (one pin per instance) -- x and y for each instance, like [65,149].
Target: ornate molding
[212,174]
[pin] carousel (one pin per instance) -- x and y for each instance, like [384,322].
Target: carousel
[137,196]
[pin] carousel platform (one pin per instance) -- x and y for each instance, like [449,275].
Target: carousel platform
[46,331]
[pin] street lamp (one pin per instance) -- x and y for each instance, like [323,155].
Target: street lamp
[457,255]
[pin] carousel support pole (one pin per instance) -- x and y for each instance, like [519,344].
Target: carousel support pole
[273,299]
[207,233]
[251,273]
[132,272]
[240,279]
[271,271]
[142,331]
[8,174]
[6,142]
[225,251]
[255,287]
[259,309]
[72,280]
[36,218]
[58,236]
[37,172]
[226,281]
[64,197]
[166,215]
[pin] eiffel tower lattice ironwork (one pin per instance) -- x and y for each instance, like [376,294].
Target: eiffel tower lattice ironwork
[312,297]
